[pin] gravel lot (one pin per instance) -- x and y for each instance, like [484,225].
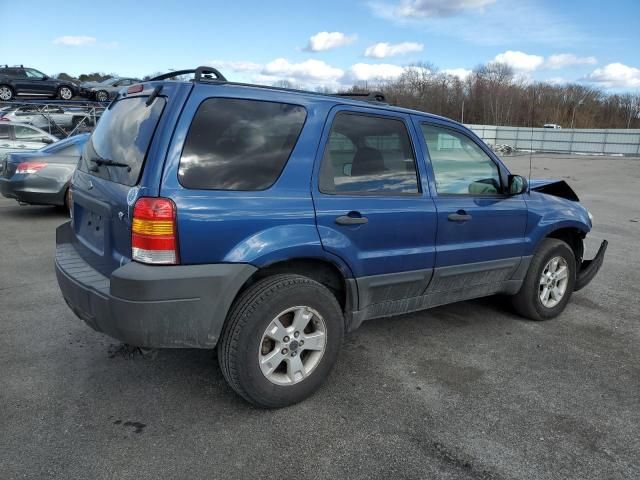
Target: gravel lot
[463,391]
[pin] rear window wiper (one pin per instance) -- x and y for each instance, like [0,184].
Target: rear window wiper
[109,163]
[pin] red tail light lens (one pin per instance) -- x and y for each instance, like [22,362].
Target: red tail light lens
[30,167]
[154,236]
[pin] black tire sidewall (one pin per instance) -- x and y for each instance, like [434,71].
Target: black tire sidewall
[252,381]
[549,251]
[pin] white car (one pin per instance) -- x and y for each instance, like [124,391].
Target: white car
[18,137]
[552,125]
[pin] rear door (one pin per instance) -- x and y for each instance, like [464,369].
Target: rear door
[372,209]
[103,195]
[480,228]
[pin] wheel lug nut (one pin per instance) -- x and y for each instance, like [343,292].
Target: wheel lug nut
[285,339]
[293,354]
[285,351]
[296,334]
[301,342]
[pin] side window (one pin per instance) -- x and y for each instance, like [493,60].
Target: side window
[368,155]
[32,73]
[236,144]
[459,165]
[26,133]
[4,132]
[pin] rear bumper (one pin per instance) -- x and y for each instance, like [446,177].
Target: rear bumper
[150,306]
[34,191]
[590,268]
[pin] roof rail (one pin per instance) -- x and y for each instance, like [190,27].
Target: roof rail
[200,74]
[367,96]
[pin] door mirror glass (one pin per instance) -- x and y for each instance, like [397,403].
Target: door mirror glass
[517,185]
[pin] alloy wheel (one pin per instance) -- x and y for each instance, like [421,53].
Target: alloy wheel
[553,282]
[66,93]
[5,93]
[292,345]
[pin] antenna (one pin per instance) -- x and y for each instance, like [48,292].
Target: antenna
[533,108]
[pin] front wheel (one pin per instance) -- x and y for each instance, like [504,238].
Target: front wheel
[549,283]
[281,340]
[65,93]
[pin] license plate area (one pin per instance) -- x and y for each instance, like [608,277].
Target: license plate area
[91,230]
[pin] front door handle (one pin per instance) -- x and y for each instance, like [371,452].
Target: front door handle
[459,216]
[351,219]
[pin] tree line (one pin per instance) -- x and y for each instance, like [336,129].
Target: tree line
[493,95]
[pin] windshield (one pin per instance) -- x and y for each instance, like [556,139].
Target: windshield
[122,135]
[109,81]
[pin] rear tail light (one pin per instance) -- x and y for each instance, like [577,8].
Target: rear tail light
[154,236]
[30,167]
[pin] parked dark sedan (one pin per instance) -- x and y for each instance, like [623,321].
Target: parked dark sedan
[42,177]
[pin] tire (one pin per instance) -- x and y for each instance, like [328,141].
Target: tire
[65,93]
[528,302]
[102,96]
[242,349]
[6,93]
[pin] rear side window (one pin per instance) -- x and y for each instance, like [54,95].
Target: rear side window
[236,144]
[368,155]
[4,132]
[122,135]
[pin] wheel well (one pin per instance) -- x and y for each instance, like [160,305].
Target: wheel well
[321,271]
[572,237]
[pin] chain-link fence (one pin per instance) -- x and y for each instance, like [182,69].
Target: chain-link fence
[588,141]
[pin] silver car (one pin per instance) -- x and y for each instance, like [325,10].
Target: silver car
[19,137]
[107,89]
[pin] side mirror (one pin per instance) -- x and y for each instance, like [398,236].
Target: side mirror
[44,77]
[517,185]
[346,169]
[48,140]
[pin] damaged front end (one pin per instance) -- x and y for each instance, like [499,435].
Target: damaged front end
[557,188]
[589,268]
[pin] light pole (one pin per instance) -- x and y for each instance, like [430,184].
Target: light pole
[462,114]
[580,102]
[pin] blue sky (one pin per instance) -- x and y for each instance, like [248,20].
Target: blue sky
[332,43]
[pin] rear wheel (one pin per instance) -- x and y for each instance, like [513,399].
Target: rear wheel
[281,340]
[65,93]
[102,96]
[549,283]
[6,93]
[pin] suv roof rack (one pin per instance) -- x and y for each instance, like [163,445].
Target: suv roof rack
[367,96]
[200,74]
[203,74]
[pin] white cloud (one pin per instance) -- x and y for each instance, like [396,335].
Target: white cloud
[384,49]
[461,73]
[556,80]
[408,9]
[561,60]
[323,41]
[363,72]
[615,75]
[520,61]
[309,71]
[239,66]
[75,41]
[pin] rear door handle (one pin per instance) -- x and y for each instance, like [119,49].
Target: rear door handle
[351,219]
[459,216]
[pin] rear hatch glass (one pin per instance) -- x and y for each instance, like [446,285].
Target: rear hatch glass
[111,164]
[122,136]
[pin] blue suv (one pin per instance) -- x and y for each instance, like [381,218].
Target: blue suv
[268,222]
